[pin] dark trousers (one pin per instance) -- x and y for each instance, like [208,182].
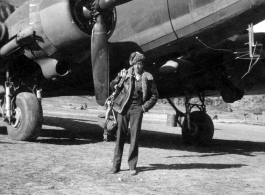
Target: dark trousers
[132,113]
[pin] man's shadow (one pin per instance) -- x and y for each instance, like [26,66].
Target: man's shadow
[189,166]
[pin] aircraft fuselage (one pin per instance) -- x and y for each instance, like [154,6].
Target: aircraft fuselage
[164,26]
[158,27]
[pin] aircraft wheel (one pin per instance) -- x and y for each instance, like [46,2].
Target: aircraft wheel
[27,118]
[202,129]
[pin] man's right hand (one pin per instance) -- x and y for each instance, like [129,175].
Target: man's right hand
[123,73]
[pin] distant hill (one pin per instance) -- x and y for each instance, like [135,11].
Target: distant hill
[250,103]
[216,106]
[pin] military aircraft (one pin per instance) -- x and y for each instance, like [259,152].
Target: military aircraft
[74,47]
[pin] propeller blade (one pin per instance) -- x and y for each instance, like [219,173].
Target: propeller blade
[107,4]
[100,61]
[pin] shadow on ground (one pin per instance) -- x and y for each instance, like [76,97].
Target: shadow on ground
[189,166]
[69,131]
[78,130]
[3,130]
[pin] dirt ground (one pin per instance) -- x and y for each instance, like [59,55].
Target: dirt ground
[234,163]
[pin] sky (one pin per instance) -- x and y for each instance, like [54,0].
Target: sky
[260,27]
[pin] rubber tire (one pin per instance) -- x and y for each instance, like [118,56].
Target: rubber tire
[31,118]
[203,127]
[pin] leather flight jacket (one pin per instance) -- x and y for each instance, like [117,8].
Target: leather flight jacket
[147,96]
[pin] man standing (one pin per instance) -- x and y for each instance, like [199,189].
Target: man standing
[138,95]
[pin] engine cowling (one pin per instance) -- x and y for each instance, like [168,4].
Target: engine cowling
[59,28]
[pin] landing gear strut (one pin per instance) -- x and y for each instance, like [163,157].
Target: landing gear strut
[198,127]
[22,111]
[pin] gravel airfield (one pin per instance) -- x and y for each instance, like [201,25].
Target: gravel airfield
[69,157]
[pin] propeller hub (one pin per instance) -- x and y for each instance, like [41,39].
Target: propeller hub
[85,15]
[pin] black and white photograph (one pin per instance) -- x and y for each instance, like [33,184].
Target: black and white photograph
[136,97]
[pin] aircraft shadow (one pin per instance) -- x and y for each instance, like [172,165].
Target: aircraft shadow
[69,131]
[216,147]
[87,131]
[188,166]
[3,130]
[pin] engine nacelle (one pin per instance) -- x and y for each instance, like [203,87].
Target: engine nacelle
[60,28]
[51,68]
